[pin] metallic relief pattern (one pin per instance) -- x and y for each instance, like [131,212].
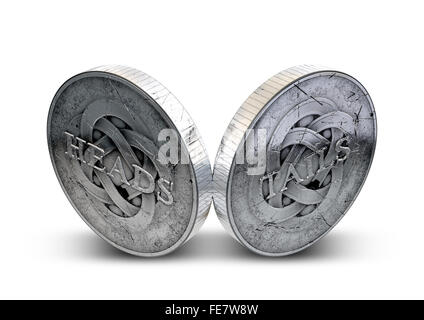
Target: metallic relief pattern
[305,159]
[115,161]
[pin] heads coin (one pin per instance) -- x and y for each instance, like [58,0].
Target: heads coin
[130,159]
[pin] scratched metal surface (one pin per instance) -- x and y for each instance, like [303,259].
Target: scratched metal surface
[309,114]
[129,109]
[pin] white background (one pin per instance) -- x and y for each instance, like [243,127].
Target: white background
[211,55]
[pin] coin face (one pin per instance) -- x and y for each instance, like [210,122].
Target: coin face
[130,159]
[294,158]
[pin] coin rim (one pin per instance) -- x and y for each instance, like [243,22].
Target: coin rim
[223,180]
[200,168]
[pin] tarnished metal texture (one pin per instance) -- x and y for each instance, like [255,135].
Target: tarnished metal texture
[109,131]
[293,159]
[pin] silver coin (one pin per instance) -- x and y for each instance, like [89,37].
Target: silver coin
[293,159]
[130,159]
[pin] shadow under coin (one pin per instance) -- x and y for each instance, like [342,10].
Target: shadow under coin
[215,245]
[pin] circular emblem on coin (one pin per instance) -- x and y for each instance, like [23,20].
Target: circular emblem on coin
[130,159]
[294,158]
